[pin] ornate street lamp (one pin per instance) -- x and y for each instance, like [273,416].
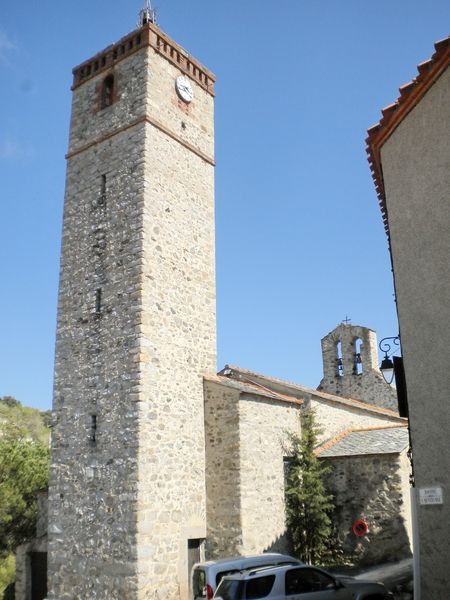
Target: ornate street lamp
[387,364]
[393,368]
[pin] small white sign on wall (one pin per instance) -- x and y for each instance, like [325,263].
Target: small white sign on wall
[430,495]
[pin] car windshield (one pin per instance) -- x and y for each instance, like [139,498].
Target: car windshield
[229,589]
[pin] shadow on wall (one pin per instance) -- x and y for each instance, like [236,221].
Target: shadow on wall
[281,545]
[379,547]
[371,488]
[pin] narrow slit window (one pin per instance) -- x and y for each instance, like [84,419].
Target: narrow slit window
[339,362]
[358,365]
[98,300]
[107,91]
[93,434]
[103,190]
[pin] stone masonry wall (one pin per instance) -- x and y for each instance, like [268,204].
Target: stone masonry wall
[373,488]
[335,418]
[177,331]
[136,331]
[245,447]
[263,426]
[93,486]
[223,471]
[368,385]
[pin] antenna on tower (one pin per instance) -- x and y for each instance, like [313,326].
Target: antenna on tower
[147,14]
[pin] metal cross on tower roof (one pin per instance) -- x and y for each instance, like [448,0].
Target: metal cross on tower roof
[147,14]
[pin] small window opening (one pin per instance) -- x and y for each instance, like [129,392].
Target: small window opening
[108,91]
[98,300]
[339,363]
[103,190]
[357,365]
[93,434]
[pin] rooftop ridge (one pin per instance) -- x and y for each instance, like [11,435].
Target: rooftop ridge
[332,441]
[361,404]
[377,427]
[148,35]
[277,394]
[254,388]
[410,94]
[250,372]
[332,397]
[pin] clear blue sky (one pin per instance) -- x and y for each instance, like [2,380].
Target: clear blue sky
[300,242]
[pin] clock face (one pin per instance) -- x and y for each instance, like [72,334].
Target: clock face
[184,88]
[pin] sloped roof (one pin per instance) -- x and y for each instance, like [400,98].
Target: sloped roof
[410,94]
[252,388]
[308,392]
[269,378]
[391,439]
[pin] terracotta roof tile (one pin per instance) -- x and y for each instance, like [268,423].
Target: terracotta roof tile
[410,94]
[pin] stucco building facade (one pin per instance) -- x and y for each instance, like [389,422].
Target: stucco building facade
[409,154]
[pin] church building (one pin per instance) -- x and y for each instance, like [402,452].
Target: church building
[157,460]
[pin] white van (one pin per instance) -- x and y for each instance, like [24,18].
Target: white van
[206,576]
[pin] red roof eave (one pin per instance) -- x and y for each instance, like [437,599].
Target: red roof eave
[410,94]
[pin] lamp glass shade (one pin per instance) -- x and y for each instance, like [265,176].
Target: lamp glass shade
[387,368]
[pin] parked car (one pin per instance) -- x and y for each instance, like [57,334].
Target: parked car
[206,576]
[297,582]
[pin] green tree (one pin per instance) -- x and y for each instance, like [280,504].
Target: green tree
[308,505]
[9,401]
[23,472]
[23,421]
[7,575]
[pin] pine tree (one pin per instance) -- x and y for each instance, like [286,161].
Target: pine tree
[23,472]
[308,505]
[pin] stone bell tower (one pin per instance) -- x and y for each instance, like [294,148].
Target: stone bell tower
[350,366]
[136,324]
